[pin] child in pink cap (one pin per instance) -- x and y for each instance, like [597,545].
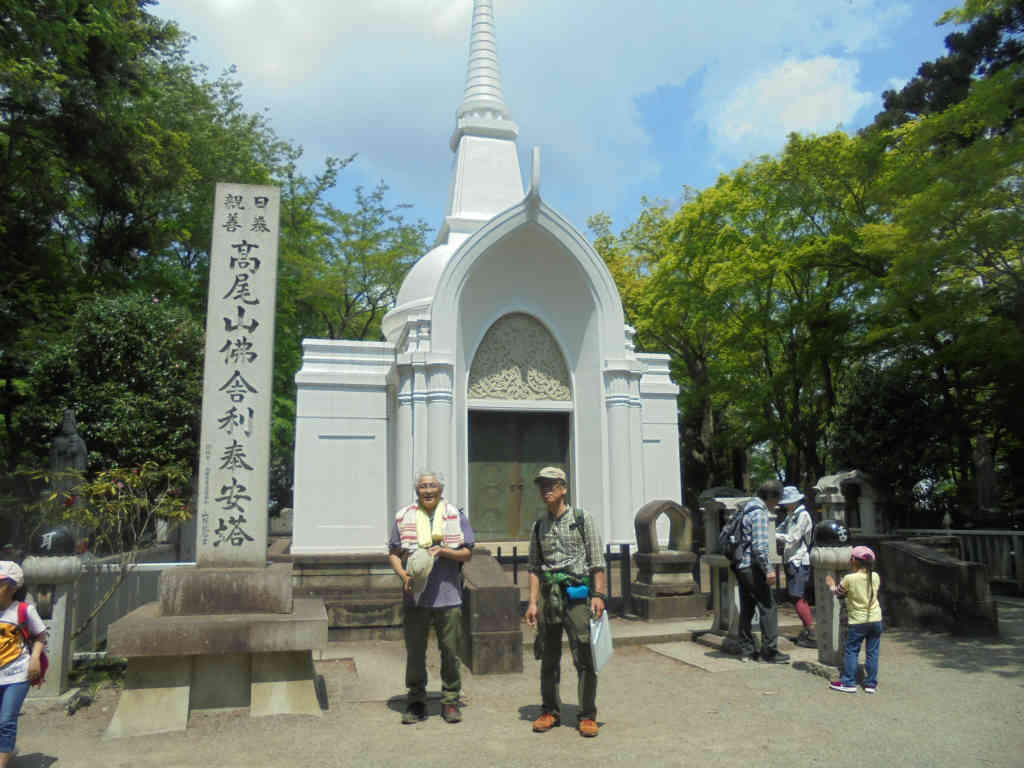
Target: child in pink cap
[864,620]
[21,649]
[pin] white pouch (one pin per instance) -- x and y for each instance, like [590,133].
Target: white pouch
[601,641]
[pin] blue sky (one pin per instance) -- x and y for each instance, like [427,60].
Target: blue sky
[625,99]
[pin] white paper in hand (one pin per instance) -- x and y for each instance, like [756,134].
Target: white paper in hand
[601,641]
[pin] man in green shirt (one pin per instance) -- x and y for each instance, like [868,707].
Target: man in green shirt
[567,587]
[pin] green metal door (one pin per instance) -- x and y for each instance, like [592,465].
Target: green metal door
[506,449]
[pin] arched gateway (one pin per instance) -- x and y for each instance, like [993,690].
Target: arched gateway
[507,349]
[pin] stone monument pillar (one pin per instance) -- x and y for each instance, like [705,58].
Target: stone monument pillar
[227,632]
[829,610]
[56,577]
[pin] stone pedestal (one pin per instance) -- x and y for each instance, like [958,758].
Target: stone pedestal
[665,588]
[217,638]
[361,592]
[262,661]
[493,635]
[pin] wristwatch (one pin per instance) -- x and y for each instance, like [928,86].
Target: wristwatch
[602,595]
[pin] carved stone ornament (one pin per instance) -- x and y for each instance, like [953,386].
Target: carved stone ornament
[519,360]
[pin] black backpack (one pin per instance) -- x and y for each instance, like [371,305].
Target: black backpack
[730,538]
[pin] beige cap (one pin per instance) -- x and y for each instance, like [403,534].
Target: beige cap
[550,473]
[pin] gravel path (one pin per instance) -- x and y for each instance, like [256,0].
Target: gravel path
[942,701]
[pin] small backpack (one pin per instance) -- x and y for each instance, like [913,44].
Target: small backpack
[809,538]
[44,662]
[730,538]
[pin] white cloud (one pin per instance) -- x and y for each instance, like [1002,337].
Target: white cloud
[384,77]
[809,96]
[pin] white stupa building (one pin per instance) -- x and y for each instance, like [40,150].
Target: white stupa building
[507,350]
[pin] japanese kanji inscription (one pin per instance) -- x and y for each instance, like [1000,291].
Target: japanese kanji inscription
[235,456]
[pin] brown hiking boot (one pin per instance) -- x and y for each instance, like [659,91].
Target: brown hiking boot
[545,722]
[588,728]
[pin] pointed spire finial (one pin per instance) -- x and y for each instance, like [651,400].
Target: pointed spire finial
[483,111]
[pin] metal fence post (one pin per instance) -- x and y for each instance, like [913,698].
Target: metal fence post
[625,575]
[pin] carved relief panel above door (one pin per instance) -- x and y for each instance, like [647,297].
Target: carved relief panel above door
[519,360]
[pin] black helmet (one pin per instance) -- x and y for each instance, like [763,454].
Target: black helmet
[830,533]
[54,541]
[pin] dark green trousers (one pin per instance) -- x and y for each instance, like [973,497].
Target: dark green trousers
[447,623]
[555,614]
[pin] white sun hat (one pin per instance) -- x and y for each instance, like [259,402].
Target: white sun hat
[791,495]
[419,566]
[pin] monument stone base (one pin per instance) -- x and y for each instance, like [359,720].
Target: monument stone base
[361,592]
[493,635]
[176,664]
[189,590]
[668,606]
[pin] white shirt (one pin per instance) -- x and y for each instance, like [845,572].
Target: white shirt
[795,532]
[13,645]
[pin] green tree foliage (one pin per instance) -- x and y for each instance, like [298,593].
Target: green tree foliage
[991,43]
[111,142]
[952,298]
[856,301]
[130,366]
[748,285]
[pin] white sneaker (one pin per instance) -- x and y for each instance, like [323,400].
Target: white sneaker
[837,685]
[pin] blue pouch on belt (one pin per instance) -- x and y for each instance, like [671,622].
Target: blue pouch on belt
[577,592]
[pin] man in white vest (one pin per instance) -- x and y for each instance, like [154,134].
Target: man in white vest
[430,540]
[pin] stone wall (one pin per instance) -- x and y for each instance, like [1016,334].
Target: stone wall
[927,588]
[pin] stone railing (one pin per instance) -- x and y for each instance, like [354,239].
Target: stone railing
[1001,551]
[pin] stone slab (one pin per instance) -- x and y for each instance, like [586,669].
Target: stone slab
[284,684]
[234,457]
[491,609]
[702,657]
[144,632]
[665,560]
[363,634]
[219,682]
[189,590]
[670,606]
[490,653]
[357,613]
[155,698]
[687,587]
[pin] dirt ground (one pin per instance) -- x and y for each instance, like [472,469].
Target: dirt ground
[942,701]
